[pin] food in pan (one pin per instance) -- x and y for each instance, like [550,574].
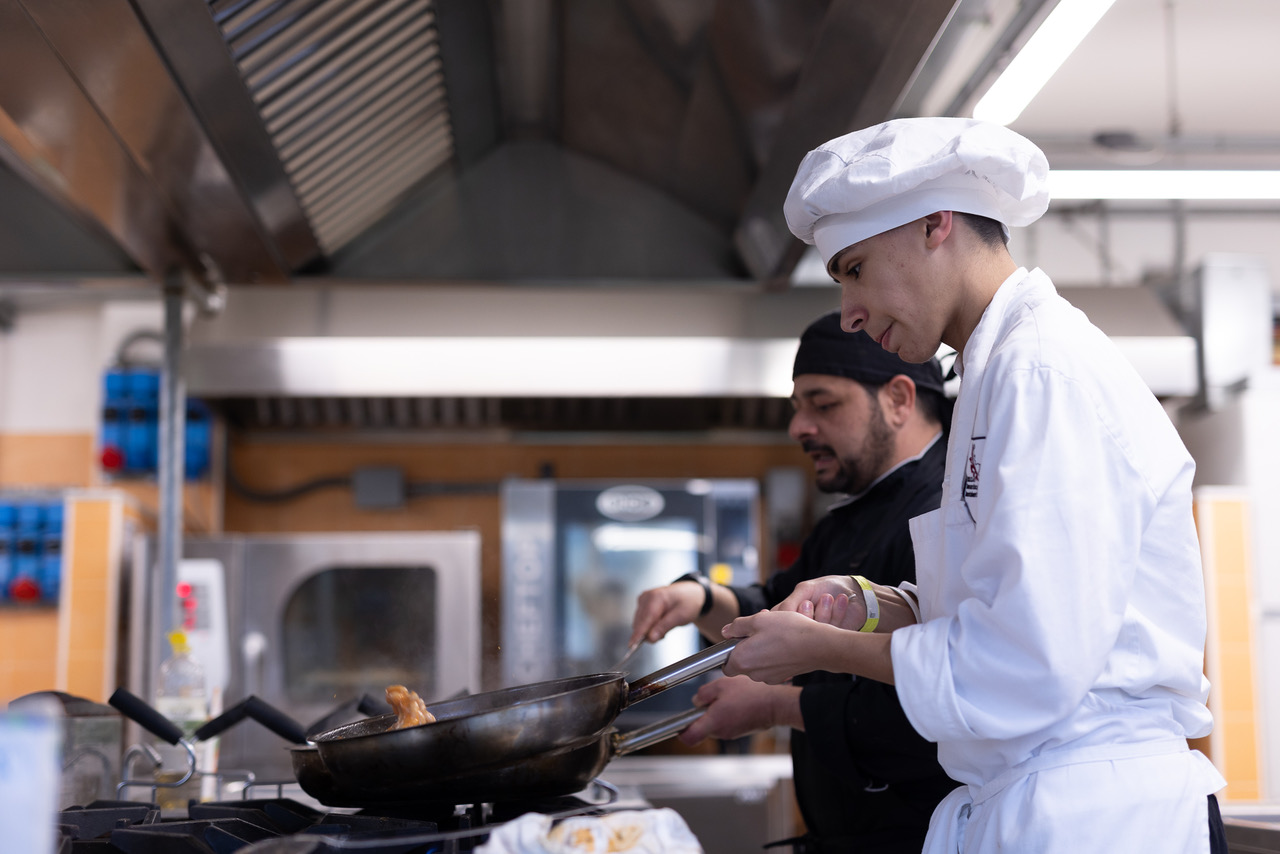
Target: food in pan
[409,708]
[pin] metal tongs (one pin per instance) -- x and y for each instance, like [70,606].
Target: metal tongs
[626,659]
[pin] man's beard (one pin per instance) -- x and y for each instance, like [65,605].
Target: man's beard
[857,472]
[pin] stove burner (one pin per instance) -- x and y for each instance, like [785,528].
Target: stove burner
[211,836]
[100,817]
[284,826]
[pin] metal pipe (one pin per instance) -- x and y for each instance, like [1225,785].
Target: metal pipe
[172,425]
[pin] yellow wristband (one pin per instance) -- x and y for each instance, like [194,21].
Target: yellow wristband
[873,604]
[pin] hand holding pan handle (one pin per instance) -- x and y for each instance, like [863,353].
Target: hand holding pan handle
[682,671]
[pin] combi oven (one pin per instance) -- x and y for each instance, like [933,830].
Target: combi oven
[308,622]
[577,554]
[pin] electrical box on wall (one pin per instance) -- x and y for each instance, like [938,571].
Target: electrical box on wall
[129,436]
[30,549]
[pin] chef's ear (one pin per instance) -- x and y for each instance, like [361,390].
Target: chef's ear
[898,399]
[937,226]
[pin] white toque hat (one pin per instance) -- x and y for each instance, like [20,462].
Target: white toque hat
[867,182]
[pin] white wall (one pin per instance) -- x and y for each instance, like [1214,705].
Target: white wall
[52,362]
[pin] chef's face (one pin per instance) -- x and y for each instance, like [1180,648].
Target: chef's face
[841,426]
[890,290]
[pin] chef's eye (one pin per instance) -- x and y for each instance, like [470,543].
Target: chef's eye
[854,271]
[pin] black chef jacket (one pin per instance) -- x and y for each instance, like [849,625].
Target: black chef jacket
[865,780]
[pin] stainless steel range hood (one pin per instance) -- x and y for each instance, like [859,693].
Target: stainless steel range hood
[324,354]
[365,355]
[502,141]
[593,185]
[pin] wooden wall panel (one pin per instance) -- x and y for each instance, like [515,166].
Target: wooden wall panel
[1222,518]
[46,460]
[28,651]
[90,608]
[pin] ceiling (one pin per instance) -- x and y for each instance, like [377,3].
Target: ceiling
[1196,81]
[542,140]
[1204,70]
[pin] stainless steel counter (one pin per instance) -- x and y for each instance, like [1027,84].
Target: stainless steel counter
[1252,828]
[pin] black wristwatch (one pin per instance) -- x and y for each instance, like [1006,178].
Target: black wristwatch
[707,599]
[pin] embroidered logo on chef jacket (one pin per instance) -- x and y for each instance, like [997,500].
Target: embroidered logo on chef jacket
[972,469]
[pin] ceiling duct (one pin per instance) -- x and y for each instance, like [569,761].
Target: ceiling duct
[501,141]
[351,93]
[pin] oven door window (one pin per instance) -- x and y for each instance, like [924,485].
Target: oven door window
[349,631]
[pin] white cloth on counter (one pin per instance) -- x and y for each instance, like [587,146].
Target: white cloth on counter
[656,831]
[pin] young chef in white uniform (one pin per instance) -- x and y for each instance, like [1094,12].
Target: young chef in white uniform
[1057,656]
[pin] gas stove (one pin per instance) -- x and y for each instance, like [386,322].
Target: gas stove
[282,825]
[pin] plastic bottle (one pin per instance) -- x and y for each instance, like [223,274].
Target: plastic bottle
[181,697]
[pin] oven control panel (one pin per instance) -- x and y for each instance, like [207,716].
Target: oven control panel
[201,591]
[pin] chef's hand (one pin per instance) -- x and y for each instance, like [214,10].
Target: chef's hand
[838,601]
[831,599]
[777,645]
[662,609]
[738,706]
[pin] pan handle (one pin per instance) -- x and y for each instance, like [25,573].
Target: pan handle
[262,712]
[139,711]
[646,736]
[682,671]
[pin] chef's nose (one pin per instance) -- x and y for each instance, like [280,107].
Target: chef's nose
[852,318]
[801,426]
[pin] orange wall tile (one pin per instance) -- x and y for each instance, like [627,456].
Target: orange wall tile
[28,651]
[1223,521]
[90,596]
[46,460]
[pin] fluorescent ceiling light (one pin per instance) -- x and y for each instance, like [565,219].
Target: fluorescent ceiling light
[1163,184]
[1042,55]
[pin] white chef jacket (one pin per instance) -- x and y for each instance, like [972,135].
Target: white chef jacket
[1058,662]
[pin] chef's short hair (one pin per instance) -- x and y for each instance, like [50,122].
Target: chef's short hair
[990,232]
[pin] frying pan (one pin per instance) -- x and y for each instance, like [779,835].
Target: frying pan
[561,771]
[495,729]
